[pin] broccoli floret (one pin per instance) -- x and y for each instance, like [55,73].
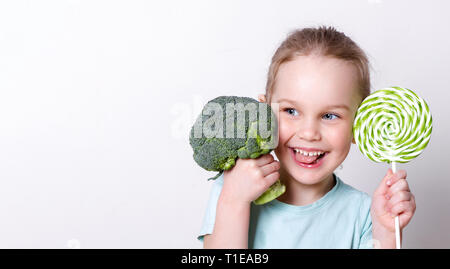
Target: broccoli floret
[216,148]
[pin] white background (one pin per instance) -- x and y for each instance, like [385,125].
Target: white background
[97,98]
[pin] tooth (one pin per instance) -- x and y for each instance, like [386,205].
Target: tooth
[305,153]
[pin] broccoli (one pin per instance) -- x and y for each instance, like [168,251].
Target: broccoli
[231,127]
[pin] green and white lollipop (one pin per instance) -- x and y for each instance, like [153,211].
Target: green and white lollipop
[392,125]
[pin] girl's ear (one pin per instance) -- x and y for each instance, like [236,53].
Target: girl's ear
[262,98]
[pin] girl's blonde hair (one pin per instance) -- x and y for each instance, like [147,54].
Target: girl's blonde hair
[324,41]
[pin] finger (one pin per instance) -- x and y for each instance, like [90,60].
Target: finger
[406,216]
[413,203]
[264,159]
[270,168]
[404,219]
[383,187]
[271,179]
[400,185]
[397,176]
[399,197]
[402,207]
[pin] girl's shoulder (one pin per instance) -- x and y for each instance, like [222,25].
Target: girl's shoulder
[352,194]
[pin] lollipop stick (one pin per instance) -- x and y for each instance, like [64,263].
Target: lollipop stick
[397,222]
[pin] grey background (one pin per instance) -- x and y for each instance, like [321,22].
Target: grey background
[97,98]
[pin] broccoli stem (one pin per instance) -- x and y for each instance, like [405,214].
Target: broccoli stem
[230,162]
[276,190]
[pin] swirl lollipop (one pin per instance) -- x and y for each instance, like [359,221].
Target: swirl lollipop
[392,125]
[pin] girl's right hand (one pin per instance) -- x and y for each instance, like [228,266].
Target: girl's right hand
[249,178]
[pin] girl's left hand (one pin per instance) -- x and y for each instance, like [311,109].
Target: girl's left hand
[392,198]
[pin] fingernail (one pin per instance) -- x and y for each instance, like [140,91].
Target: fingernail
[387,197]
[388,182]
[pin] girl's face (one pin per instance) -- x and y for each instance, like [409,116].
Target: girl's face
[318,99]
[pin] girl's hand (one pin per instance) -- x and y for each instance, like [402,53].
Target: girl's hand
[392,198]
[250,178]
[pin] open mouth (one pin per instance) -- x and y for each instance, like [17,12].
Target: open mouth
[308,158]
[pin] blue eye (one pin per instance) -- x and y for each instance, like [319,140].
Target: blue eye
[330,118]
[288,110]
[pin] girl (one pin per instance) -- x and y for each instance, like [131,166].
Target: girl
[318,77]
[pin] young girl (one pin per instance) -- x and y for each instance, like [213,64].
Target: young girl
[318,76]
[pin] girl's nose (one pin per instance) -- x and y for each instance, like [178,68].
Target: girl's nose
[308,130]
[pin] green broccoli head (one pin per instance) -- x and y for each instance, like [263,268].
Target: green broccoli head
[231,127]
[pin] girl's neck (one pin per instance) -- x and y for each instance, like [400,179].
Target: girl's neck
[301,194]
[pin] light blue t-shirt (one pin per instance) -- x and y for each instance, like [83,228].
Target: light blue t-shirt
[340,219]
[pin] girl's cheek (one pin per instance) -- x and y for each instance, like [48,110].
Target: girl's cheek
[341,137]
[285,129]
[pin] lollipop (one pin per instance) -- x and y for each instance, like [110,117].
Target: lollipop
[392,125]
